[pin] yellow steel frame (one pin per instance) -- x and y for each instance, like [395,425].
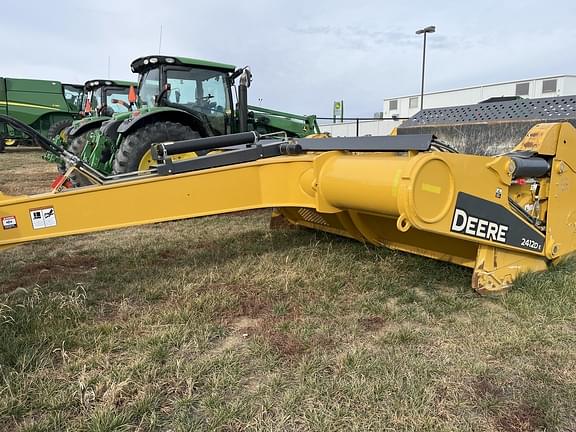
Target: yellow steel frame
[402,201]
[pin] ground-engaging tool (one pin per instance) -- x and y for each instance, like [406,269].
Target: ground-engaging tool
[501,215]
[47,106]
[179,98]
[493,126]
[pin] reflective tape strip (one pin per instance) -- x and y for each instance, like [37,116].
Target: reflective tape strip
[29,105]
[431,188]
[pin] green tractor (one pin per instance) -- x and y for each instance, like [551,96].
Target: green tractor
[46,106]
[102,100]
[179,98]
[105,98]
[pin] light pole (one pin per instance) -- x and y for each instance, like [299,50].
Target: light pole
[424,31]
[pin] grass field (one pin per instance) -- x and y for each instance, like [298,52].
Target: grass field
[220,323]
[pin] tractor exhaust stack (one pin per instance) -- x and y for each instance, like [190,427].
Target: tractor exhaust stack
[245,80]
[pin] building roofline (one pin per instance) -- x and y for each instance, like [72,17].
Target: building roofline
[482,85]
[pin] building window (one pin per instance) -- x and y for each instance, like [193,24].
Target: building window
[413,103]
[393,105]
[522,89]
[549,86]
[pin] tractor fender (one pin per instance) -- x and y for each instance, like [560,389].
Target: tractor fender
[164,114]
[86,124]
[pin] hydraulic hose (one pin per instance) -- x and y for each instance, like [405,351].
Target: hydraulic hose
[39,139]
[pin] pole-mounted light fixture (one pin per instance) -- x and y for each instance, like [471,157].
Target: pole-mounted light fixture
[424,31]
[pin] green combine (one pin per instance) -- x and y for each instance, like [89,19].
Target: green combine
[46,106]
[177,99]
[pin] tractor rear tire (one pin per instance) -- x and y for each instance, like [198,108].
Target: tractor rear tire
[136,145]
[58,127]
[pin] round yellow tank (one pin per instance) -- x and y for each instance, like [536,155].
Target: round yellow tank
[420,189]
[363,183]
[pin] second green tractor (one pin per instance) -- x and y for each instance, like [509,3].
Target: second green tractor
[102,100]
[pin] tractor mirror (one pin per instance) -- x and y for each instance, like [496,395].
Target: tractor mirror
[132,95]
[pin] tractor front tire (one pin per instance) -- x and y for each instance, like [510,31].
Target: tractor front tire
[58,127]
[76,146]
[136,146]
[78,143]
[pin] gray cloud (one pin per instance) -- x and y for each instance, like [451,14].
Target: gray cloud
[304,55]
[348,35]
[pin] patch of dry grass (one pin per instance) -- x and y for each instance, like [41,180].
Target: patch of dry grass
[23,172]
[221,324]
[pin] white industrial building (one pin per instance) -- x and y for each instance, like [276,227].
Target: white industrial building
[406,106]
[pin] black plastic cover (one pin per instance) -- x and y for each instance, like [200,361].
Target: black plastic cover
[530,167]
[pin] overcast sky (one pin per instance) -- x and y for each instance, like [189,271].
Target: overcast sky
[303,54]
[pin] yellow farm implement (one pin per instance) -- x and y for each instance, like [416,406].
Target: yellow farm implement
[500,216]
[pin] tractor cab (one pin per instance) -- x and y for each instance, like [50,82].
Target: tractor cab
[200,88]
[107,97]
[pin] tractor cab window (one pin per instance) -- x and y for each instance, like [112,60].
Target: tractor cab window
[183,87]
[117,99]
[73,96]
[199,90]
[95,98]
[149,87]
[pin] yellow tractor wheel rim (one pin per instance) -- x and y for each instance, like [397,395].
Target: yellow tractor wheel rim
[63,135]
[9,142]
[319,135]
[146,162]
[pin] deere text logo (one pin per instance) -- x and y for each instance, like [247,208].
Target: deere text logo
[478,227]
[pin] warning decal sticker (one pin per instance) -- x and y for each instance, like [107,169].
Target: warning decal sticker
[43,218]
[9,222]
